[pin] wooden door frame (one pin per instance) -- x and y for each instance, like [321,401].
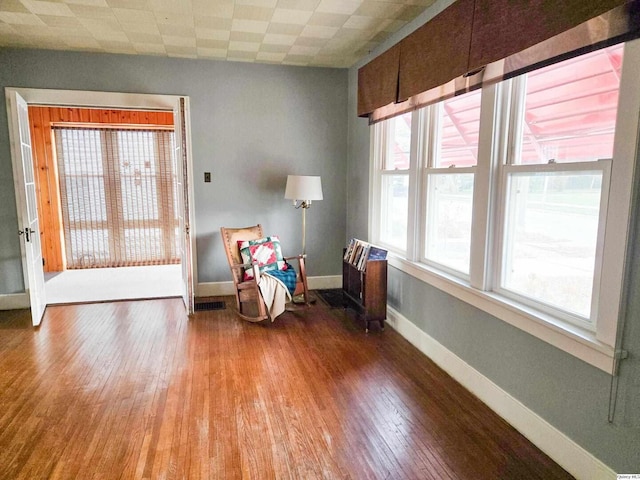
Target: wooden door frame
[124,101]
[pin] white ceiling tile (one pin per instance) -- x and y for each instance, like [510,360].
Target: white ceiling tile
[139,37]
[246,37]
[204,43]
[296,17]
[88,11]
[302,32]
[248,12]
[272,57]
[302,50]
[65,22]
[370,8]
[90,3]
[299,4]
[13,6]
[212,34]
[48,8]
[174,18]
[5,29]
[102,37]
[239,56]
[299,60]
[117,46]
[318,31]
[14,18]
[347,7]
[181,51]
[215,23]
[285,29]
[171,6]
[150,48]
[131,15]
[244,46]
[95,25]
[274,48]
[362,23]
[140,28]
[394,25]
[212,52]
[222,9]
[80,42]
[36,31]
[177,30]
[258,3]
[249,26]
[137,4]
[179,41]
[271,38]
[328,19]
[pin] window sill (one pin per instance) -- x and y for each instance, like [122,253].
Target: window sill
[571,339]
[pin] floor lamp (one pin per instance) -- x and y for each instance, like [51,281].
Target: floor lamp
[303,189]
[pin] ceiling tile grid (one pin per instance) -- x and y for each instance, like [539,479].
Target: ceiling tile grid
[326,33]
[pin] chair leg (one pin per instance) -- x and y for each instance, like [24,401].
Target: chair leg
[262,308]
[303,277]
[238,304]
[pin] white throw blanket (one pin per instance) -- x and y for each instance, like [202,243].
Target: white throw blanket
[274,293]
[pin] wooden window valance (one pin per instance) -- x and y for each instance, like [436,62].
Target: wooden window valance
[478,42]
[378,81]
[436,52]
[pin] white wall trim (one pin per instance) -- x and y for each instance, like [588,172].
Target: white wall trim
[14,301]
[564,451]
[215,289]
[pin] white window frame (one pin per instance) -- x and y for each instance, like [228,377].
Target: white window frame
[596,343]
[603,166]
[430,132]
[380,133]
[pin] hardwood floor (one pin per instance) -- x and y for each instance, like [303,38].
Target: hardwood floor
[136,390]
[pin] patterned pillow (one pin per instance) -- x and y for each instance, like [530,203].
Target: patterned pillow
[266,251]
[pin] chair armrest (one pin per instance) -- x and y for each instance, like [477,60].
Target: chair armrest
[256,269]
[297,257]
[241,265]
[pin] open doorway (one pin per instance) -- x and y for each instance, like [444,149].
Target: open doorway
[106,188]
[17,101]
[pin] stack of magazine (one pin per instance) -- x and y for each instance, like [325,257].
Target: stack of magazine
[358,253]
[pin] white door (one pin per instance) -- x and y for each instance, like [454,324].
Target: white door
[25,187]
[182,190]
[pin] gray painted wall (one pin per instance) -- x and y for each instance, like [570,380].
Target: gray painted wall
[570,394]
[251,126]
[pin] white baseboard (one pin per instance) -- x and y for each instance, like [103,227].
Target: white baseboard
[14,301]
[324,283]
[564,451]
[214,289]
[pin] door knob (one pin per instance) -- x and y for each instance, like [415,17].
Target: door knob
[27,232]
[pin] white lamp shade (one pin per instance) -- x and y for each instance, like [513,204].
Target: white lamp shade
[300,187]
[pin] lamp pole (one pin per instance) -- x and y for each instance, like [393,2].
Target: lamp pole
[298,187]
[304,205]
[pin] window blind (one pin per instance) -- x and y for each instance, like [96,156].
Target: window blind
[118,198]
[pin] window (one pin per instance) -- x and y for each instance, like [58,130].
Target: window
[452,156]
[393,165]
[508,193]
[118,200]
[556,182]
